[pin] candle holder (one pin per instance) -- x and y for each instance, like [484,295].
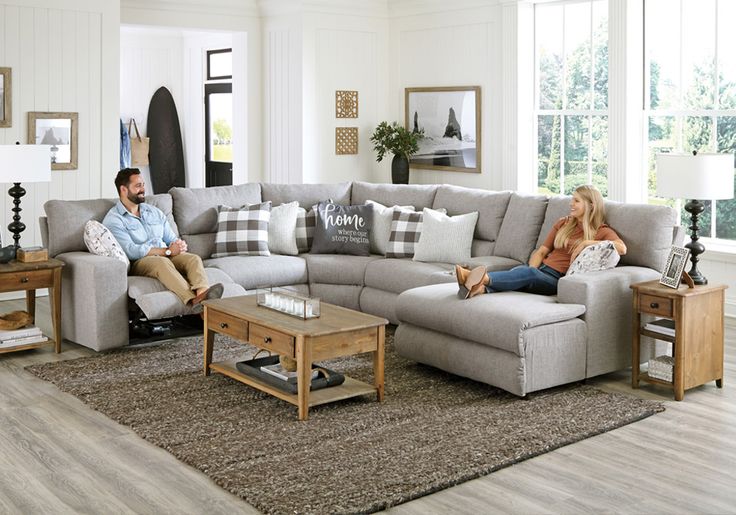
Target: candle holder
[288,302]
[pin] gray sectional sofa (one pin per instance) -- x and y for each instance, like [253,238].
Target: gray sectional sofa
[517,341]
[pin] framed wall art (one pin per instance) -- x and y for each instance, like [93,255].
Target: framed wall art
[676,262]
[450,118]
[6,99]
[59,131]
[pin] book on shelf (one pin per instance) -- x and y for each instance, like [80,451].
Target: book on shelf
[278,371]
[12,334]
[38,338]
[662,326]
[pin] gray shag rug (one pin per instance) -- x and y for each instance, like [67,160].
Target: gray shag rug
[433,430]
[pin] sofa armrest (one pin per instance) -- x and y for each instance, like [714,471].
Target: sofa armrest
[608,313]
[94,300]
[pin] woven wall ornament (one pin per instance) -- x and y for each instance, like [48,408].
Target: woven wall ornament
[346,140]
[346,104]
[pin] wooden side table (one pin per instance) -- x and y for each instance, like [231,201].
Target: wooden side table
[697,346]
[17,276]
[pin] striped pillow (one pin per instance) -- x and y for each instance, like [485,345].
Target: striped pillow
[242,231]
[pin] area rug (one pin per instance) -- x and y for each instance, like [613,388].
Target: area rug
[433,430]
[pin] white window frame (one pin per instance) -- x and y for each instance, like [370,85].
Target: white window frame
[589,113]
[680,114]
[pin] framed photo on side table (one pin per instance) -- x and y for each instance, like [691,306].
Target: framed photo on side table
[450,118]
[675,265]
[59,131]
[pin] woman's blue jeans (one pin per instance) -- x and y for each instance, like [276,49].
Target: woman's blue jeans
[542,280]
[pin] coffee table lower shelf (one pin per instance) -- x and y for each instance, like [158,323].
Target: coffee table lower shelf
[350,388]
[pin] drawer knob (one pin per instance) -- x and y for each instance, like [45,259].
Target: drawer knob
[223,325]
[654,305]
[24,279]
[266,339]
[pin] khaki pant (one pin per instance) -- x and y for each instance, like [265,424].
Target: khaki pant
[181,274]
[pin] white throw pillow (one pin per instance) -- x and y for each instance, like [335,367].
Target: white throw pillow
[445,239]
[381,231]
[600,256]
[282,229]
[101,242]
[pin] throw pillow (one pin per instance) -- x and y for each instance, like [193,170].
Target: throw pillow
[446,239]
[282,229]
[342,229]
[101,242]
[243,230]
[600,256]
[381,230]
[406,227]
[305,222]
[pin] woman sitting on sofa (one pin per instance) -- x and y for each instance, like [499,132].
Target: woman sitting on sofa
[584,226]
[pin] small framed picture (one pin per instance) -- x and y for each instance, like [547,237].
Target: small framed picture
[6,103]
[59,131]
[675,265]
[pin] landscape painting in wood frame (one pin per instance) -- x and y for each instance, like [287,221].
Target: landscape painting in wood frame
[450,118]
[59,131]
[6,104]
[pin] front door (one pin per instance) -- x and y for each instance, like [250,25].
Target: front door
[218,113]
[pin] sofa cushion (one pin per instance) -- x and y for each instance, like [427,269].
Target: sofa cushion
[398,275]
[557,207]
[66,219]
[100,241]
[195,209]
[342,229]
[282,229]
[306,194]
[337,269]
[254,271]
[138,286]
[445,239]
[520,228]
[494,319]
[418,195]
[381,230]
[242,231]
[490,205]
[492,263]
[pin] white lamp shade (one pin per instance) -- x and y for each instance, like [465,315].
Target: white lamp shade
[698,177]
[25,163]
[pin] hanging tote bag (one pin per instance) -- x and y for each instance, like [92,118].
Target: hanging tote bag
[138,146]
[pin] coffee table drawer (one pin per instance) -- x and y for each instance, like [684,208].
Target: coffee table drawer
[267,338]
[227,324]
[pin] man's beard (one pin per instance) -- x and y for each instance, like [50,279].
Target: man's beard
[138,198]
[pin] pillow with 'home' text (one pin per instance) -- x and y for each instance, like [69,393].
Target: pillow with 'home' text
[342,229]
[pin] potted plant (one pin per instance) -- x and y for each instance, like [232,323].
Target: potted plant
[401,142]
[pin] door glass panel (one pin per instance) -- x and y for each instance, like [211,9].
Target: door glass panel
[220,65]
[221,127]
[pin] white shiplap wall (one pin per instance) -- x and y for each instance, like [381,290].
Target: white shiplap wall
[63,58]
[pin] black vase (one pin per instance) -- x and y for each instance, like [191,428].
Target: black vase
[400,170]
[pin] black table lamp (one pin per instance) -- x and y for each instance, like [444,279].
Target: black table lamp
[697,177]
[23,163]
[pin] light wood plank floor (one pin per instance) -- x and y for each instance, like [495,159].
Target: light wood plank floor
[59,456]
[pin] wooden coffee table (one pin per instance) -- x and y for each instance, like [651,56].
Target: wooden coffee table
[337,332]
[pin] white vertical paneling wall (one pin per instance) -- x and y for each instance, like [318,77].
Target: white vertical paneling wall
[453,47]
[61,54]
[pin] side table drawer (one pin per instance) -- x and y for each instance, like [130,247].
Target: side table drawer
[655,305]
[227,324]
[31,280]
[270,339]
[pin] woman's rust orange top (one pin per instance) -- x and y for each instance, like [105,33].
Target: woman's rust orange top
[559,259]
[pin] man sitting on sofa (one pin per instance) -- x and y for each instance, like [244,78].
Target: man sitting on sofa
[151,245]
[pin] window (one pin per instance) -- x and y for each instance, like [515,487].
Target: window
[220,64]
[691,91]
[571,100]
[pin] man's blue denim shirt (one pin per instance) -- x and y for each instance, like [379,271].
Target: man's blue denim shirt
[137,235]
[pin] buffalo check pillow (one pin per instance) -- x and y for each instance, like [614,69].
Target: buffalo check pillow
[406,227]
[305,223]
[242,230]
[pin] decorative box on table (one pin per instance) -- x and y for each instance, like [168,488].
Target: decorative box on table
[288,302]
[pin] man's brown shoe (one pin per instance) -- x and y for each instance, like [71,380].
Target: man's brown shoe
[213,292]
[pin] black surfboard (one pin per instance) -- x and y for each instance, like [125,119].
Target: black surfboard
[165,150]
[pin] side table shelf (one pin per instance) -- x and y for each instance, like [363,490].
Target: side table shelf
[697,347]
[28,277]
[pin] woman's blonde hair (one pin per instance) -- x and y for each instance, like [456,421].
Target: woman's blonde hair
[593,217]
